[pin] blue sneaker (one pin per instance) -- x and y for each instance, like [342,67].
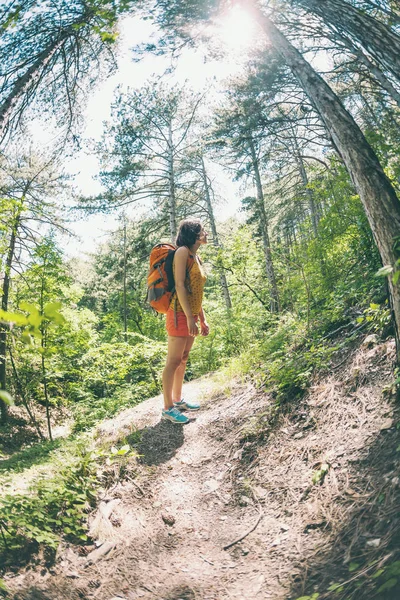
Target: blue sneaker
[184,405]
[172,414]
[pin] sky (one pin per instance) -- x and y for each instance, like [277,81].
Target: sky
[236,32]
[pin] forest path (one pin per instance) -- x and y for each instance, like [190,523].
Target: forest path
[186,477]
[199,487]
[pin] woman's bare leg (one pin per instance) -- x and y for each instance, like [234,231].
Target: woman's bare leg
[180,371]
[176,348]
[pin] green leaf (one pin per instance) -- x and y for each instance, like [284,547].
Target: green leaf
[3,586]
[335,587]
[353,566]
[394,569]
[388,585]
[396,277]
[374,306]
[26,338]
[384,271]
[13,317]
[6,397]
[377,573]
[34,318]
[108,37]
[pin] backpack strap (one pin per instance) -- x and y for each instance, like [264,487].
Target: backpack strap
[189,264]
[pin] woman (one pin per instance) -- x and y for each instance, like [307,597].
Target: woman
[183,314]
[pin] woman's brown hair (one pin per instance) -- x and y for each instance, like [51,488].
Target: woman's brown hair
[188,232]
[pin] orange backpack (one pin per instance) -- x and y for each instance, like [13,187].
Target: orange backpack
[160,280]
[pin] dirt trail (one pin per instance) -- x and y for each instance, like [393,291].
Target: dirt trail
[200,487]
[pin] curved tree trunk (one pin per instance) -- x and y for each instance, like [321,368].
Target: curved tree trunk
[378,196]
[379,75]
[26,80]
[378,39]
[269,265]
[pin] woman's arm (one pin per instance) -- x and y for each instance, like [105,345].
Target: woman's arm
[180,261]
[204,328]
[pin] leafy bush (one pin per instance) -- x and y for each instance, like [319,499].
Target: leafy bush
[52,507]
[108,366]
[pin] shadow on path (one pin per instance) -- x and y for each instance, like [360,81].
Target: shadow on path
[159,443]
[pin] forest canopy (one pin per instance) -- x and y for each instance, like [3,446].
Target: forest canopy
[302,120]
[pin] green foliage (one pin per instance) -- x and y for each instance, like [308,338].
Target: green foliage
[377,317]
[115,376]
[54,507]
[6,398]
[319,475]
[57,506]
[109,365]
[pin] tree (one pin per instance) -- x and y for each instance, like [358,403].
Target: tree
[199,192]
[48,53]
[142,149]
[380,201]
[28,187]
[378,196]
[373,35]
[239,132]
[371,67]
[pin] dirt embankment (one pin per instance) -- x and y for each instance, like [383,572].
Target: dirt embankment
[313,489]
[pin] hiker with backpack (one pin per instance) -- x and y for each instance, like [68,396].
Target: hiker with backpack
[176,282]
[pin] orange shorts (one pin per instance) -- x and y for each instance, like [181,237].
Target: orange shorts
[177,327]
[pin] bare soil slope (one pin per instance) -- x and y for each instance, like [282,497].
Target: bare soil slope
[316,482]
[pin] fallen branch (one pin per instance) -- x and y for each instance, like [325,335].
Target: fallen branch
[260,516]
[206,559]
[137,486]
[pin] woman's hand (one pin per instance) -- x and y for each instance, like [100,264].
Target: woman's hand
[204,328]
[192,327]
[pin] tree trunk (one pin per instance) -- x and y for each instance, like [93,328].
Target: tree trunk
[379,198]
[379,75]
[304,179]
[23,397]
[124,290]
[378,39]
[4,306]
[44,370]
[23,83]
[171,186]
[222,276]
[269,265]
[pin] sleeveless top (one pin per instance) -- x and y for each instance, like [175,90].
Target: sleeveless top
[194,287]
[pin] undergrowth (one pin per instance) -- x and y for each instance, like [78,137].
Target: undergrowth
[57,506]
[285,359]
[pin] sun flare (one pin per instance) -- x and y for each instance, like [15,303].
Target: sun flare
[238,30]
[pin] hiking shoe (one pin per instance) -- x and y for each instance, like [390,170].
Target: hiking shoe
[184,405]
[172,414]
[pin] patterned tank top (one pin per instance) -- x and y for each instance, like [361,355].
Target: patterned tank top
[194,287]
